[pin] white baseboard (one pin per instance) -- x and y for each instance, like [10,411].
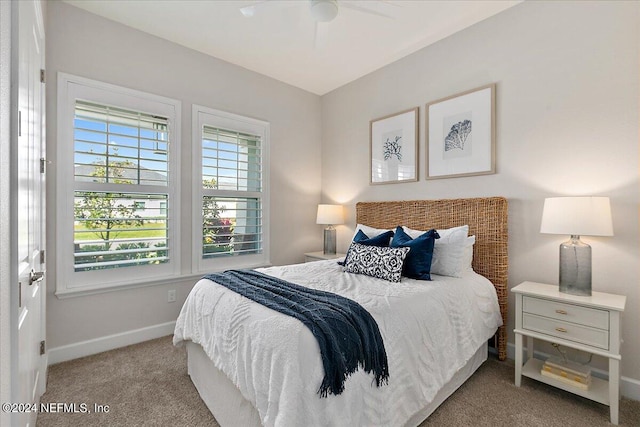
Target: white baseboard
[629,387]
[109,342]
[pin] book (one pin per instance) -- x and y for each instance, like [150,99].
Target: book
[566,374]
[567,368]
[565,380]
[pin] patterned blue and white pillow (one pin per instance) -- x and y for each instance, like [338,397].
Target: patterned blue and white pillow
[381,240]
[381,262]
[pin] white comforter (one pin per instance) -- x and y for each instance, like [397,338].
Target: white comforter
[430,330]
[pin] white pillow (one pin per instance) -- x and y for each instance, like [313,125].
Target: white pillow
[467,260]
[452,252]
[369,231]
[447,235]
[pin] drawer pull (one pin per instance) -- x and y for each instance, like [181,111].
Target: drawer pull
[561,330]
[561,311]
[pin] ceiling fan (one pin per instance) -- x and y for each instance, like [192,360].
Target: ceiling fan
[325,11]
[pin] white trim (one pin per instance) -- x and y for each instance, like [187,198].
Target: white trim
[8,263]
[165,281]
[109,342]
[629,387]
[42,381]
[242,124]
[70,88]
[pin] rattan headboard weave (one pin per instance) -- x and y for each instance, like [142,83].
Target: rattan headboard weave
[486,218]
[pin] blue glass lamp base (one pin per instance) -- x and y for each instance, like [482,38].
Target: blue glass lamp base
[575,267]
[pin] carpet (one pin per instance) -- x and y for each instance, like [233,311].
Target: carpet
[147,385]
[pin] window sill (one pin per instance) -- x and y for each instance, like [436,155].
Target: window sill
[93,290]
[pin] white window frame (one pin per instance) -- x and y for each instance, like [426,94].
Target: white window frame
[68,281]
[202,116]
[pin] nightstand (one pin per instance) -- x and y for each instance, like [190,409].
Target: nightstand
[590,324]
[318,256]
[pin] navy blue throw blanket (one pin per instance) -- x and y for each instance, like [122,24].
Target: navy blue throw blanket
[347,334]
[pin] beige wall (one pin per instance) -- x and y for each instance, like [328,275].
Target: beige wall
[89,46]
[567,124]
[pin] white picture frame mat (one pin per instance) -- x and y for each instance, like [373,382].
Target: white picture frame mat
[407,122]
[482,124]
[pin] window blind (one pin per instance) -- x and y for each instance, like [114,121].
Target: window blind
[121,207]
[118,146]
[232,193]
[231,160]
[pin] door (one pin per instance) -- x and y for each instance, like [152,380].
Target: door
[31,361]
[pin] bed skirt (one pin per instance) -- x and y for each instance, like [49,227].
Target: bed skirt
[230,408]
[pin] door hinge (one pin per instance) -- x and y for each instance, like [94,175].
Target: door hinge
[43,164]
[42,258]
[19,123]
[42,348]
[41,76]
[19,294]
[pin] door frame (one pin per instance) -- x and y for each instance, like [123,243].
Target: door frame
[8,195]
[9,282]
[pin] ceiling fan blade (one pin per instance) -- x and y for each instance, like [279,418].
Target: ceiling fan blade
[321,31]
[371,9]
[249,11]
[258,7]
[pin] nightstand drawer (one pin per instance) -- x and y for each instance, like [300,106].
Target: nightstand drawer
[567,312]
[566,330]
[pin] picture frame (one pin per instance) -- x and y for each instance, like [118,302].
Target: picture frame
[461,134]
[393,148]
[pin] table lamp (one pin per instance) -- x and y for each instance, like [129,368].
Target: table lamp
[576,216]
[330,215]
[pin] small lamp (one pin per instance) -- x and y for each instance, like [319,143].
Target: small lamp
[576,216]
[330,215]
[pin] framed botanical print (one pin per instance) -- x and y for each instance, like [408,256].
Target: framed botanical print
[394,148]
[461,134]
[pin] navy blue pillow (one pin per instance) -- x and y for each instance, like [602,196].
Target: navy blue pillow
[417,264]
[381,241]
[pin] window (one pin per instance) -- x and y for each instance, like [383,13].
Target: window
[118,223]
[118,181]
[126,151]
[230,172]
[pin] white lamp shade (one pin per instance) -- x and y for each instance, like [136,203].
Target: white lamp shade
[579,216]
[330,214]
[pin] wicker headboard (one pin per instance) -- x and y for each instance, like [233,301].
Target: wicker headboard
[487,220]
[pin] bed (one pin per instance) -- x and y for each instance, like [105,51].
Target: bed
[253,366]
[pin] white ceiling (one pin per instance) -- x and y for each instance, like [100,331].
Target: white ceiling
[281,40]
